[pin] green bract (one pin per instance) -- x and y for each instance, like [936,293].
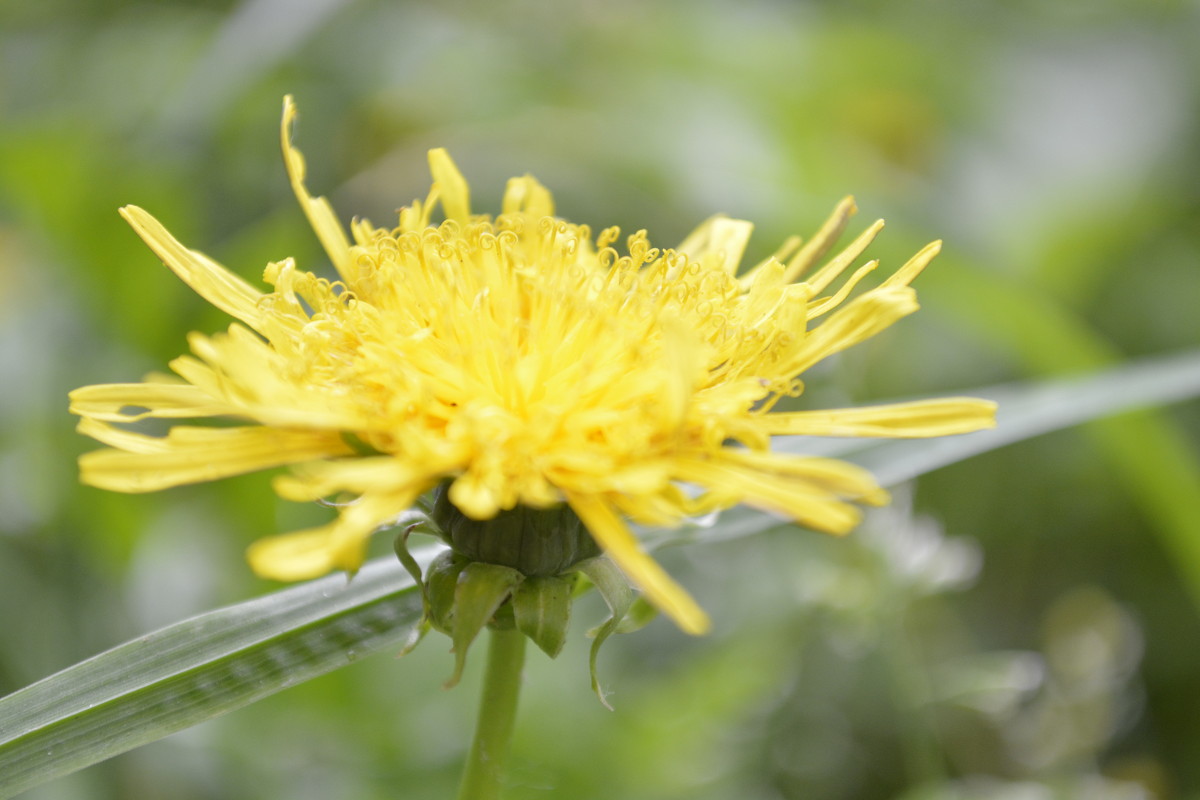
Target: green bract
[521,568]
[538,542]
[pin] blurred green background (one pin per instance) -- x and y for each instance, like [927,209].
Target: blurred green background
[1022,625]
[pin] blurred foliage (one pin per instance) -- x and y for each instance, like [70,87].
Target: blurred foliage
[1046,648]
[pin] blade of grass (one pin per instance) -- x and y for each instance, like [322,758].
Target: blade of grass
[200,668]
[1147,451]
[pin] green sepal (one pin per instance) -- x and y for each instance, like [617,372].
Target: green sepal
[542,606]
[400,545]
[481,590]
[414,637]
[583,584]
[441,581]
[614,588]
[641,614]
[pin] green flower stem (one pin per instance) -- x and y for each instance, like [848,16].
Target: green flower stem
[484,770]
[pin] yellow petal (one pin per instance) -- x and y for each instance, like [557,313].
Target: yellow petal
[314,480]
[922,418]
[451,185]
[615,538]
[475,495]
[817,246]
[719,235]
[209,279]
[816,508]
[339,545]
[253,376]
[113,401]
[839,478]
[785,251]
[295,556]
[120,438]
[914,266]
[318,210]
[864,317]
[527,195]
[191,455]
[826,304]
[682,365]
[842,261]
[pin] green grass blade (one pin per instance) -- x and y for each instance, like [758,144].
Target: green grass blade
[1032,409]
[1149,452]
[199,669]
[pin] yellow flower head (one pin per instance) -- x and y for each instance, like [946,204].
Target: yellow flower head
[525,360]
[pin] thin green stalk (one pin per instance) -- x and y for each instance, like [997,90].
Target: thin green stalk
[484,771]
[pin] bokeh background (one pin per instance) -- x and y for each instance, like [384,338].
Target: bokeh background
[1022,625]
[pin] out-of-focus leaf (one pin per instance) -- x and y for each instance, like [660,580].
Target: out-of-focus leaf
[199,669]
[1146,451]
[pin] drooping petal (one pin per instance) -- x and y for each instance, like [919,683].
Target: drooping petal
[615,538]
[209,279]
[922,418]
[339,545]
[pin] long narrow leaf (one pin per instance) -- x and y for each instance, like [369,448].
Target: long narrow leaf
[199,669]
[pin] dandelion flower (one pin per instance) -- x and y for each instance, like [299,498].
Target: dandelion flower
[519,361]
